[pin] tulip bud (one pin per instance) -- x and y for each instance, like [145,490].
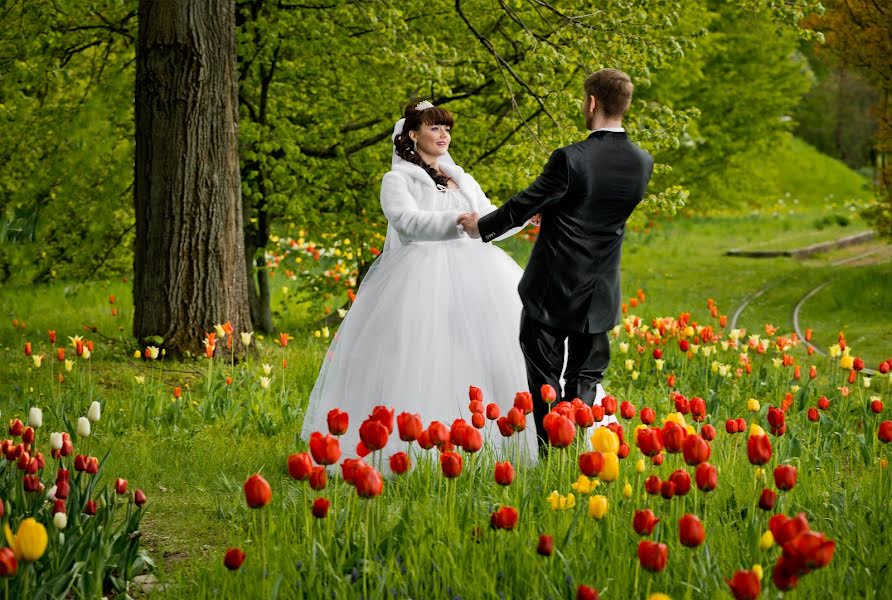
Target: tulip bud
[83,427]
[320,507]
[35,417]
[120,486]
[94,412]
[233,558]
[766,541]
[139,497]
[60,520]
[546,545]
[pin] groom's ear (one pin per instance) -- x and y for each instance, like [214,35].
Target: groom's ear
[592,104]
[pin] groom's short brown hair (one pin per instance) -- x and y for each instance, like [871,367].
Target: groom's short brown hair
[612,88]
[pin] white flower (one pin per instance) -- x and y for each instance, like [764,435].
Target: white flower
[635,375]
[83,427]
[153,352]
[624,347]
[659,363]
[86,354]
[38,360]
[140,379]
[267,369]
[630,364]
[60,520]
[247,337]
[35,417]
[56,441]
[264,382]
[866,381]
[221,333]
[94,412]
[51,494]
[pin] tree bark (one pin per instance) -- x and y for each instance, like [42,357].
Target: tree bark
[189,259]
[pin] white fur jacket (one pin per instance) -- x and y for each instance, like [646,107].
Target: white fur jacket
[416,210]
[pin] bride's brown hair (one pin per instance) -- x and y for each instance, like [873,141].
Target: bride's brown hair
[405,147]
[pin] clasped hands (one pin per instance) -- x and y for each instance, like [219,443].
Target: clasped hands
[468,223]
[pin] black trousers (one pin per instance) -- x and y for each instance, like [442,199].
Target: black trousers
[588,356]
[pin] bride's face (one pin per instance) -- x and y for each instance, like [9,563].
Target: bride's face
[433,140]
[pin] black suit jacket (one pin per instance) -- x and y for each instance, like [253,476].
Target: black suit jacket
[585,195]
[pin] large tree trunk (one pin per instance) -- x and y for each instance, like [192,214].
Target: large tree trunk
[189,259]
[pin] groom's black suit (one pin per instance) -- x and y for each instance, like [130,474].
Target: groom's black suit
[571,286]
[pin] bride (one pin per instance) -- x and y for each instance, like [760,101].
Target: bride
[437,312]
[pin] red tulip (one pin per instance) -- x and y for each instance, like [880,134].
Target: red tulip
[591,463]
[233,558]
[139,497]
[318,478]
[477,420]
[626,410]
[320,507]
[683,345]
[695,450]
[90,508]
[337,421]
[706,476]
[644,521]
[475,394]
[257,491]
[650,441]
[120,486]
[653,555]
[682,481]
[884,433]
[92,465]
[584,417]
[546,545]
[368,481]
[8,564]
[561,431]
[667,489]
[673,437]
[810,550]
[777,419]
[473,440]
[608,403]
[548,394]
[784,529]
[60,354]
[451,464]
[349,468]
[597,413]
[813,414]
[383,415]
[504,428]
[653,485]
[31,483]
[400,463]
[523,401]
[785,477]
[373,434]
[858,364]
[493,411]
[657,353]
[52,336]
[438,432]
[681,404]
[584,592]
[785,574]
[504,518]
[326,449]
[758,449]
[745,585]
[767,499]
[876,407]
[27,348]
[504,473]
[458,432]
[618,430]
[885,366]
[691,532]
[647,415]
[517,419]
[698,408]
[741,424]
[16,427]
[708,433]
[299,466]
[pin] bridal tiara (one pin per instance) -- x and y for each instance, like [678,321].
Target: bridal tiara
[424,104]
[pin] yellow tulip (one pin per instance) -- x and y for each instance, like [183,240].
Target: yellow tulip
[610,470]
[753,405]
[597,507]
[675,417]
[755,430]
[584,485]
[627,490]
[559,502]
[846,362]
[605,440]
[834,351]
[766,541]
[757,569]
[29,543]
[659,596]
[640,466]
[688,331]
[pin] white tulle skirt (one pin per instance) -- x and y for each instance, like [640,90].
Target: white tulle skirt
[429,320]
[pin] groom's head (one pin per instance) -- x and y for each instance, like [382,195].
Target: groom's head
[608,94]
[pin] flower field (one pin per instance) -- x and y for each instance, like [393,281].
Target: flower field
[735,463]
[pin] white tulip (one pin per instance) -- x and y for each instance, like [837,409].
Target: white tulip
[86,354]
[247,336]
[60,520]
[94,412]
[56,441]
[264,382]
[267,369]
[51,494]
[83,427]
[35,417]
[140,379]
[69,364]
[38,360]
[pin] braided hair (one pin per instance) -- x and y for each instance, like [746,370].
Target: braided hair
[405,147]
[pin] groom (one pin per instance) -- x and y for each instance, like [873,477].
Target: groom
[571,287]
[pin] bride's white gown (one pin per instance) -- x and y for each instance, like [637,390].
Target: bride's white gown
[430,319]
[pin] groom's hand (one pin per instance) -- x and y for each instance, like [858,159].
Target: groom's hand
[468,221]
